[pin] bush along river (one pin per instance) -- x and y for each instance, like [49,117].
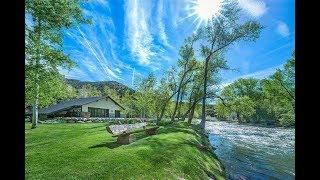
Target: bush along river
[251,152]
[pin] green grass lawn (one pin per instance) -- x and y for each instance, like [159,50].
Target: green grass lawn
[87,151]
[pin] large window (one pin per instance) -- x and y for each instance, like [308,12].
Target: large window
[98,112]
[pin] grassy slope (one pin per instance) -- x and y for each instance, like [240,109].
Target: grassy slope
[83,151]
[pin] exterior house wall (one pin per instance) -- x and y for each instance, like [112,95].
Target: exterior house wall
[105,103]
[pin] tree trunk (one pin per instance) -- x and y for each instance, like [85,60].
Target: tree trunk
[238,118]
[203,118]
[189,107]
[185,115]
[161,115]
[191,113]
[35,115]
[176,106]
[179,106]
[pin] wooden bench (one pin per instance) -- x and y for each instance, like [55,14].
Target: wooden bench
[124,132]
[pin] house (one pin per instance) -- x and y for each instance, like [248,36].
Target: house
[84,107]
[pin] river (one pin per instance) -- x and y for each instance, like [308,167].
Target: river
[251,152]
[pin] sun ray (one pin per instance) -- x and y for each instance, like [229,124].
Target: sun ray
[203,11]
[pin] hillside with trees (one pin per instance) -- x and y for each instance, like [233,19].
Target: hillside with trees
[100,85]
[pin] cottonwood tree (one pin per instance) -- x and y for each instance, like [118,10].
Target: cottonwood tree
[186,65]
[221,32]
[44,53]
[233,94]
[279,93]
[128,101]
[239,98]
[269,101]
[196,91]
[145,101]
[46,95]
[164,93]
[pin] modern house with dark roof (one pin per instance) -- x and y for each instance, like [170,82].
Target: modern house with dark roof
[84,107]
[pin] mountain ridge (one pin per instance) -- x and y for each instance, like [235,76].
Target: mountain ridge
[119,87]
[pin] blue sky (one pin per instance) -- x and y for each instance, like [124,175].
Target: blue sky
[130,38]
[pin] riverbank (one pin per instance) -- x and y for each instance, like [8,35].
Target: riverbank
[82,151]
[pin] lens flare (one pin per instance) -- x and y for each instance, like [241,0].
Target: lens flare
[204,10]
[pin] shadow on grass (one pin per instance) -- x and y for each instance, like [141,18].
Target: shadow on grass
[110,145]
[162,151]
[114,144]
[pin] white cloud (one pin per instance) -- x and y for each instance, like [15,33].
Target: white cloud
[283,29]
[95,50]
[274,50]
[263,73]
[255,8]
[160,24]
[175,10]
[75,73]
[95,45]
[118,70]
[102,2]
[139,38]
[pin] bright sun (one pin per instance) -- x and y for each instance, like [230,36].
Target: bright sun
[204,10]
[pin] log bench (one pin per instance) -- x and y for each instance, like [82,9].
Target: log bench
[124,132]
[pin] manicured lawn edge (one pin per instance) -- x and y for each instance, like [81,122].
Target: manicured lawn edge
[81,151]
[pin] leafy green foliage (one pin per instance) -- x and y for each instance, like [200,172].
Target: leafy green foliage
[44,52]
[128,101]
[47,94]
[88,91]
[219,33]
[112,93]
[145,96]
[272,98]
[244,107]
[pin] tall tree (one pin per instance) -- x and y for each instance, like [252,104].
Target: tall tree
[220,33]
[164,93]
[196,90]
[279,93]
[186,65]
[144,96]
[128,101]
[44,53]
